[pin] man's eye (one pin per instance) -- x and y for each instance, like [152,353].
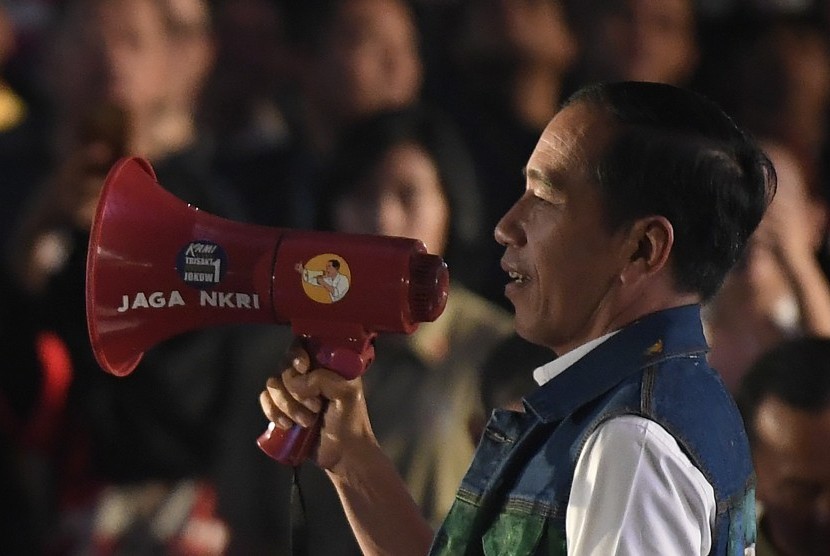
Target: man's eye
[549,198]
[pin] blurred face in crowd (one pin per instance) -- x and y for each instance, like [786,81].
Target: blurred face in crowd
[252,40]
[193,52]
[369,60]
[562,259]
[645,40]
[403,196]
[793,217]
[791,453]
[525,30]
[805,60]
[117,51]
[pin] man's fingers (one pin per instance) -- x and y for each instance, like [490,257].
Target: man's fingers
[273,413]
[297,395]
[301,387]
[298,406]
[297,358]
[331,385]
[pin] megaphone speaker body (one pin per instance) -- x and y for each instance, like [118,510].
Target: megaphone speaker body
[158,267]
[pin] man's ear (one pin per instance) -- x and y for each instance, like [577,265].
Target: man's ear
[651,239]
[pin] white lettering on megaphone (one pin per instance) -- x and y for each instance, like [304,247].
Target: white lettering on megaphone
[201,277]
[200,249]
[155,300]
[158,300]
[229,300]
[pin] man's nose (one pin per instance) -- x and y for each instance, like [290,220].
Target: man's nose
[510,228]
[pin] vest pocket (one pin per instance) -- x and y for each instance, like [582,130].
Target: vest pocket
[514,534]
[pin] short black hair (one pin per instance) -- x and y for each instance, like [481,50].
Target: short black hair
[335,263]
[679,155]
[797,372]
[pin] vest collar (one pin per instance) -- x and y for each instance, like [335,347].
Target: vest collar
[659,336]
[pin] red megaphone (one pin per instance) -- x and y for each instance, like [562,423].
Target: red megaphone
[157,267]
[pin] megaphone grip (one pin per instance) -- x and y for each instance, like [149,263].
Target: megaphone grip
[290,447]
[293,446]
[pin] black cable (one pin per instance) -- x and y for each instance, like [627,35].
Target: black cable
[297,516]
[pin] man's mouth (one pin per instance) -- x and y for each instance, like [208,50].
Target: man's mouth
[517,277]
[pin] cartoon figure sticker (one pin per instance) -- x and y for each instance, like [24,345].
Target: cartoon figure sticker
[202,264]
[325,278]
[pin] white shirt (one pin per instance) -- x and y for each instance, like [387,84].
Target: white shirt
[340,285]
[634,490]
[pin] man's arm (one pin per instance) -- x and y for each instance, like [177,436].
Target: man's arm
[381,512]
[340,285]
[635,492]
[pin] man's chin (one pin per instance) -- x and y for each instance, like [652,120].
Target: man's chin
[529,332]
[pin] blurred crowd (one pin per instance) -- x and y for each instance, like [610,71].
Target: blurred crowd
[394,117]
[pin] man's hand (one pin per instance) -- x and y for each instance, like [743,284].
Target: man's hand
[299,394]
[380,510]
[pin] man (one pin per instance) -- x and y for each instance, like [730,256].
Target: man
[785,401]
[136,473]
[639,198]
[333,282]
[330,279]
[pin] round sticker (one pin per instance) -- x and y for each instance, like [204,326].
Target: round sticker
[326,278]
[202,264]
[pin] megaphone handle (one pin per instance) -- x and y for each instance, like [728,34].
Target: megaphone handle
[293,446]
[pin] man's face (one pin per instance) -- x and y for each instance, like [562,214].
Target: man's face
[331,272]
[563,260]
[792,462]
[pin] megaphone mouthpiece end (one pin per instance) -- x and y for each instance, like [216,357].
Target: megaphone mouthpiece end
[429,287]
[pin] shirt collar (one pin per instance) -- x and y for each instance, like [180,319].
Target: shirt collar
[549,370]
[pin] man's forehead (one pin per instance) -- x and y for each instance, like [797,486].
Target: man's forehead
[572,138]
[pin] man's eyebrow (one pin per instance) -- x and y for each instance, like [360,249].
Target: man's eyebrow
[537,175]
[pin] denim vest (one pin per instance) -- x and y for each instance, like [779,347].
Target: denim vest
[514,497]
